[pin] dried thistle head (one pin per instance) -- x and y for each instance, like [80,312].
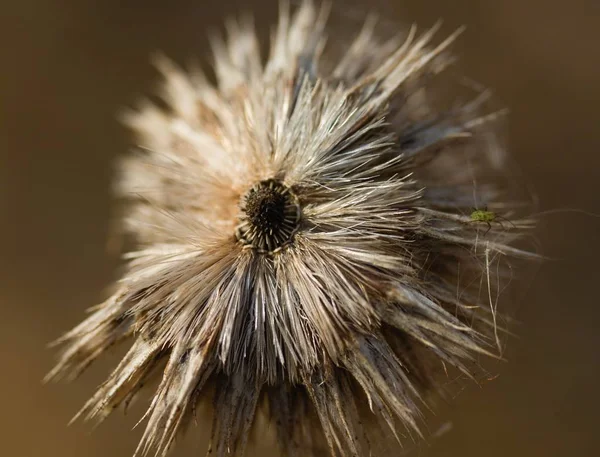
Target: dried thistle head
[302,225]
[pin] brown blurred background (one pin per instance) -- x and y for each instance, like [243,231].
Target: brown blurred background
[68,66]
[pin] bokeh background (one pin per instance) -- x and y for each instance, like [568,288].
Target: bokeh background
[66,68]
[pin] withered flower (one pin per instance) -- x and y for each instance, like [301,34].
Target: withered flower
[304,243]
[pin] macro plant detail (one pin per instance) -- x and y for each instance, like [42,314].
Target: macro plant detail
[300,224]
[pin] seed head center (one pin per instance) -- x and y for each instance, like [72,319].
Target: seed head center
[269,216]
[265,208]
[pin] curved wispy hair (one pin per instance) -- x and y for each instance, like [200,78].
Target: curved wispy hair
[305,243]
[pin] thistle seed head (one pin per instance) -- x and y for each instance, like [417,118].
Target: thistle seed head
[304,246]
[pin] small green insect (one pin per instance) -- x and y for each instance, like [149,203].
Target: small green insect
[487,217]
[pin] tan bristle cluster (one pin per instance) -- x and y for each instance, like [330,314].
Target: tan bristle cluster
[304,246]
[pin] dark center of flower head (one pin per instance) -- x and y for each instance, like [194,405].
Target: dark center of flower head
[270,216]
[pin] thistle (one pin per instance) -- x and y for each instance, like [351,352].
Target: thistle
[302,231]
